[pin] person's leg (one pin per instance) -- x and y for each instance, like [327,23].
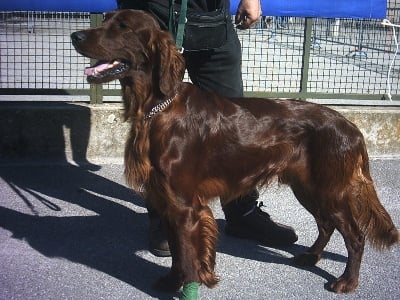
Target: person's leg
[219,70]
[245,219]
[158,243]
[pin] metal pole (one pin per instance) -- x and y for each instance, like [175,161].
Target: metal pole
[96,90]
[305,63]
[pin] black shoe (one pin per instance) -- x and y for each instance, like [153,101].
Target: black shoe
[158,242]
[257,225]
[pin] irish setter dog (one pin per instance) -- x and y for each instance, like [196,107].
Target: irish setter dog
[187,146]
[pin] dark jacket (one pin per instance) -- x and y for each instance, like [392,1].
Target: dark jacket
[160,8]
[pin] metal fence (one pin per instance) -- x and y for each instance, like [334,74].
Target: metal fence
[282,57]
[321,58]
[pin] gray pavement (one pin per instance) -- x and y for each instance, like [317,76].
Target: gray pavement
[70,233]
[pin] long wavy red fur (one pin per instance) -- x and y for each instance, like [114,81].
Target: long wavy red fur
[204,146]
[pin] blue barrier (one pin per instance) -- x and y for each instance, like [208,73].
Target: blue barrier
[372,9]
[375,9]
[59,5]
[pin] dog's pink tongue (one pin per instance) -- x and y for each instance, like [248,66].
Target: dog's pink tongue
[99,68]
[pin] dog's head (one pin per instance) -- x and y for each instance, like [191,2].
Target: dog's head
[129,44]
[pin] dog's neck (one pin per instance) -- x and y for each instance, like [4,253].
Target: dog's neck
[141,102]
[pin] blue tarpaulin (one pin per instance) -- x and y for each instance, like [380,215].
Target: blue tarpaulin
[59,5]
[375,9]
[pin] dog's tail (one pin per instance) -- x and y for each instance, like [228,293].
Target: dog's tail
[373,220]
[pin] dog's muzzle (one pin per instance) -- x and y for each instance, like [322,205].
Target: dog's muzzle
[77,37]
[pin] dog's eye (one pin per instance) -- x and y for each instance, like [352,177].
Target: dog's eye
[122,25]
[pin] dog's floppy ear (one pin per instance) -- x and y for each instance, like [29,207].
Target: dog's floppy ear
[171,64]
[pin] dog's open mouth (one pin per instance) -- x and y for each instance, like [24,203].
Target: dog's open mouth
[106,71]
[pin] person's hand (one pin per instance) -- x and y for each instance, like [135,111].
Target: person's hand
[247,13]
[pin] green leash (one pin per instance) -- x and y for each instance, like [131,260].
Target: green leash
[177,31]
[190,291]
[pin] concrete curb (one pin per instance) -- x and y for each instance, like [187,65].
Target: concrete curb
[80,132]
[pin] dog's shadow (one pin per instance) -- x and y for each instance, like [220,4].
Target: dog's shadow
[95,228]
[102,232]
[252,250]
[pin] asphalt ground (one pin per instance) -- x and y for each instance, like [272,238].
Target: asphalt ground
[70,233]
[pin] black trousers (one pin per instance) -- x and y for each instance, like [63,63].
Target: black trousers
[218,70]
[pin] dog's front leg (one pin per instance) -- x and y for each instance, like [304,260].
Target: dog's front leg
[192,236]
[203,236]
[179,223]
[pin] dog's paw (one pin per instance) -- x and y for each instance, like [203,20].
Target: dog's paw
[306,259]
[342,285]
[168,283]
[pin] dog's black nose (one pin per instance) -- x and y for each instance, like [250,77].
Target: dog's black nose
[78,37]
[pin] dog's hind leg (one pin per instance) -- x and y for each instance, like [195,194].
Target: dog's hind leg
[354,240]
[328,219]
[314,253]
[325,226]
